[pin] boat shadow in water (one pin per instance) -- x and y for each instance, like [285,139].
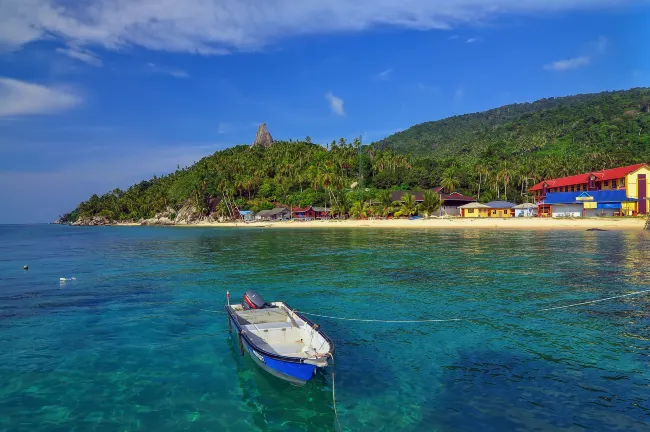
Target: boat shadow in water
[498,391]
[275,404]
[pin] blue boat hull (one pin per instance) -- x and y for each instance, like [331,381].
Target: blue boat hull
[296,373]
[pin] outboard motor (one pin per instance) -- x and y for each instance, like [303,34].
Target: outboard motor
[253,300]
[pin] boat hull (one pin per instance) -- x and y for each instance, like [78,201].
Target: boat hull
[294,372]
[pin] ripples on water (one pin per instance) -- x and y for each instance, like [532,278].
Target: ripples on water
[127,347]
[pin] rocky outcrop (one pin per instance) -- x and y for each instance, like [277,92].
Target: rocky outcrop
[92,221]
[188,214]
[263,137]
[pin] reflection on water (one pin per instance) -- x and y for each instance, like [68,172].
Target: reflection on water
[131,345]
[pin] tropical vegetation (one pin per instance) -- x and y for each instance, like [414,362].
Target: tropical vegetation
[497,154]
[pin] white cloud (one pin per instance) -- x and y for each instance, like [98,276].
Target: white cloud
[568,64]
[217,26]
[223,128]
[23,98]
[470,40]
[176,73]
[601,45]
[336,103]
[452,37]
[384,75]
[81,54]
[594,49]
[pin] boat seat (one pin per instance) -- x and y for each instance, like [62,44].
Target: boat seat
[269,326]
[287,349]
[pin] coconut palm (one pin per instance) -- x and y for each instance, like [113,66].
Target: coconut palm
[450,180]
[359,210]
[408,206]
[386,205]
[430,204]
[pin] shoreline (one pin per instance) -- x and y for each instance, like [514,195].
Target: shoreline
[625,224]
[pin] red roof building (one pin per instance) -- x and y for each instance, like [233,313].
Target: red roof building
[609,179]
[303,213]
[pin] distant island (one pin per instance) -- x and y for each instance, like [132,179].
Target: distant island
[493,156]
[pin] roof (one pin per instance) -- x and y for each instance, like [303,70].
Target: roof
[245,212]
[321,209]
[398,195]
[454,196]
[473,205]
[594,196]
[275,211]
[525,206]
[300,210]
[419,195]
[610,174]
[500,204]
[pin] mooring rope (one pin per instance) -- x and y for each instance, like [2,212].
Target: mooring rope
[456,319]
[595,301]
[383,321]
[215,311]
[336,413]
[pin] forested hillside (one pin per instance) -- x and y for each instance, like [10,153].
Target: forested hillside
[495,154]
[609,121]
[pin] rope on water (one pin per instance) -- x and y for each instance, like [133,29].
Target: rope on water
[595,301]
[336,413]
[215,311]
[383,321]
[457,319]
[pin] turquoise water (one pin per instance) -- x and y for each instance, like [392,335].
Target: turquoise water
[131,344]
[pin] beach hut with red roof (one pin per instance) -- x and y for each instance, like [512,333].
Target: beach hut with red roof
[303,213]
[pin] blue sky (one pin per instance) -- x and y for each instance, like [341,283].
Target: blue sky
[98,94]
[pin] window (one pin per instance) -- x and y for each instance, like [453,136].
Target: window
[613,184]
[470,210]
[494,212]
[623,182]
[573,188]
[606,183]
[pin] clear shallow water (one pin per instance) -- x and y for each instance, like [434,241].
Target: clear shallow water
[127,345]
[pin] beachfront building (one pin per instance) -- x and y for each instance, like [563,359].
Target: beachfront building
[631,179]
[451,202]
[501,209]
[525,210]
[247,215]
[322,212]
[306,213]
[474,210]
[278,213]
[589,204]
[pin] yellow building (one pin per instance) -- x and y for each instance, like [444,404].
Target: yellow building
[474,210]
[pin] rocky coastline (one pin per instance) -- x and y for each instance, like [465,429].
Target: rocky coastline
[187,215]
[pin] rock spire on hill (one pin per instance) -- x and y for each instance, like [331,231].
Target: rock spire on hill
[263,136]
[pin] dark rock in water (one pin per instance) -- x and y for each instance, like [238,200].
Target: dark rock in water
[595,229]
[263,136]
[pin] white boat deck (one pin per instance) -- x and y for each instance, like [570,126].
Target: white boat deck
[277,330]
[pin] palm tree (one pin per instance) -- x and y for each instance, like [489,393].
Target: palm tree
[481,169]
[385,203]
[505,175]
[359,210]
[408,206]
[450,180]
[430,204]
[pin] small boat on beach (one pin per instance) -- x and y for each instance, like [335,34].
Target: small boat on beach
[279,339]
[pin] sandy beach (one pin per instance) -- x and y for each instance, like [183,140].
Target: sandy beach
[460,223]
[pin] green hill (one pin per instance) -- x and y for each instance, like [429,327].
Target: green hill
[498,153]
[602,122]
